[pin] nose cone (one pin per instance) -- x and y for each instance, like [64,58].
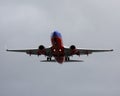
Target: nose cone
[56,34]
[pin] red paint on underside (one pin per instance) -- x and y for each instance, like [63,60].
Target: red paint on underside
[57,49]
[60,59]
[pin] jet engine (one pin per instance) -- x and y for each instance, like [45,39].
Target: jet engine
[41,47]
[74,50]
[41,50]
[72,47]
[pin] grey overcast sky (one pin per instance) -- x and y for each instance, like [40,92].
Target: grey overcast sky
[84,23]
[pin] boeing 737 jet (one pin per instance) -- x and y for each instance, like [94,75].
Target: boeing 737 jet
[58,51]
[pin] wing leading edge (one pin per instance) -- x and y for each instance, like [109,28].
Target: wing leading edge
[70,52]
[45,51]
[67,51]
[33,51]
[91,50]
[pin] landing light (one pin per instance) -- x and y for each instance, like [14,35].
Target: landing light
[54,50]
[60,50]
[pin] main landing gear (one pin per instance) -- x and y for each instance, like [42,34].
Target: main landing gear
[67,58]
[48,58]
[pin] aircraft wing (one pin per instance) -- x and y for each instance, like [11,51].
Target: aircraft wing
[45,51]
[81,51]
[32,51]
[89,51]
[68,51]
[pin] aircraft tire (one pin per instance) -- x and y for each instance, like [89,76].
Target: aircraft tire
[67,58]
[48,58]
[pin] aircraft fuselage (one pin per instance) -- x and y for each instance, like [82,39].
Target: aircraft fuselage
[57,47]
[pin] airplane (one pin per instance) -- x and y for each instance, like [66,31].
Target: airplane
[58,51]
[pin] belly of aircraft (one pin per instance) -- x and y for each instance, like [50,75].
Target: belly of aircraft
[60,59]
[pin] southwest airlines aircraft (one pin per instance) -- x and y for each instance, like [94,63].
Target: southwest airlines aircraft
[58,51]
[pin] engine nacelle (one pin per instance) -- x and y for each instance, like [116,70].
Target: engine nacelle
[41,47]
[72,47]
[74,51]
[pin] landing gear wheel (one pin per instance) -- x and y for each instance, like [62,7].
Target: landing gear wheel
[48,58]
[67,58]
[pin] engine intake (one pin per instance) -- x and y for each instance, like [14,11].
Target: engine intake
[41,47]
[72,47]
